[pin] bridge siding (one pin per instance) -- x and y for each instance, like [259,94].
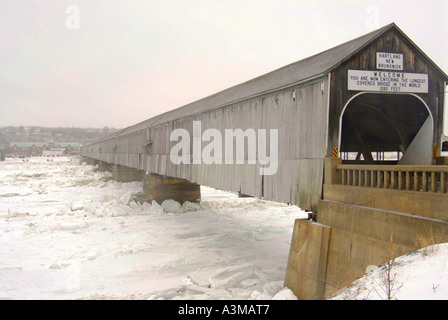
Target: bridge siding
[302,133]
[308,125]
[264,102]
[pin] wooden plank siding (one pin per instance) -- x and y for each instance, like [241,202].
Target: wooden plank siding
[300,116]
[303,101]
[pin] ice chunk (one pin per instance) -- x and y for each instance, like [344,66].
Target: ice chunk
[285,294]
[190,206]
[76,206]
[135,206]
[198,279]
[126,197]
[171,206]
[92,255]
[257,295]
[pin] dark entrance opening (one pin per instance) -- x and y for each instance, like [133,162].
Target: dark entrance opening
[445,146]
[379,128]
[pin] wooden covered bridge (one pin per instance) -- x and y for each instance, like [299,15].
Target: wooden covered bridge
[366,114]
[373,94]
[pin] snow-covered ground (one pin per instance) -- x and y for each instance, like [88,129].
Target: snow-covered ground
[420,275]
[67,231]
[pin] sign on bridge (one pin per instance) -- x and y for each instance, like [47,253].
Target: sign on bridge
[389,61]
[387,81]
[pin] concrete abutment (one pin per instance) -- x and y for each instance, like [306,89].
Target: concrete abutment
[358,226]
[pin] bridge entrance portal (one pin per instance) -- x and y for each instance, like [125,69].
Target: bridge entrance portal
[378,128]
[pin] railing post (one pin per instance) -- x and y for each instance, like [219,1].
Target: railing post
[408,180]
[400,180]
[386,179]
[372,179]
[332,175]
[443,182]
[424,181]
[367,178]
[393,180]
[433,182]
[416,181]
[379,183]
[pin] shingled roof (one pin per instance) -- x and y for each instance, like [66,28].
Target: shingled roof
[301,71]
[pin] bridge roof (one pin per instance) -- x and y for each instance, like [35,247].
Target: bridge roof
[298,72]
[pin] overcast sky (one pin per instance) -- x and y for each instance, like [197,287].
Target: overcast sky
[123,61]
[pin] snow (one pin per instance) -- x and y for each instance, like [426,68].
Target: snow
[420,275]
[68,231]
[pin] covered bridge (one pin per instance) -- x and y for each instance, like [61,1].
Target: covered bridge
[377,93]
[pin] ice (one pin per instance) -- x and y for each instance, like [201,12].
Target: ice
[285,294]
[171,206]
[67,231]
[76,206]
[126,197]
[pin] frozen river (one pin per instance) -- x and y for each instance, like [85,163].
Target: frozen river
[67,231]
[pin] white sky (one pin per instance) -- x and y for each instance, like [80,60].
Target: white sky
[131,60]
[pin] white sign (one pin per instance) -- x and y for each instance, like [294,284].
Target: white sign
[389,61]
[387,81]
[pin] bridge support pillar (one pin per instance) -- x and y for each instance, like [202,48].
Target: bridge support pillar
[126,174]
[160,188]
[90,161]
[105,166]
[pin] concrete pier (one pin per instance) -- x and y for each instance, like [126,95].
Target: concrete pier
[160,188]
[155,187]
[126,174]
[105,166]
[90,161]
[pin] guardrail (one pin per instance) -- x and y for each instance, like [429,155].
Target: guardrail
[407,177]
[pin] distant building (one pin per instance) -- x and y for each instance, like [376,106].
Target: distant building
[53,152]
[51,148]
